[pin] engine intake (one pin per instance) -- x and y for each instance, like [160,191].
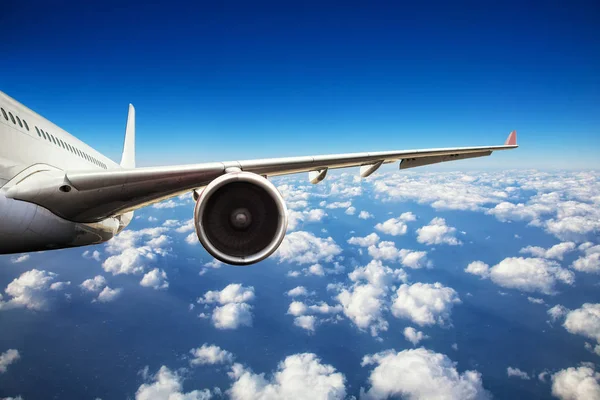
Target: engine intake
[240,218]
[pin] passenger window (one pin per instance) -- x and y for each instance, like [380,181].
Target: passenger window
[45,137]
[19,121]
[12,118]
[38,131]
[26,126]
[4,113]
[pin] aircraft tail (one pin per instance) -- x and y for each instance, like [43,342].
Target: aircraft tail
[128,159]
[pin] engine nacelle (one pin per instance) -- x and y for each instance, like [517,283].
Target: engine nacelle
[240,218]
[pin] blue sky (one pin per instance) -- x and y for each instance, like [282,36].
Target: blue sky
[237,80]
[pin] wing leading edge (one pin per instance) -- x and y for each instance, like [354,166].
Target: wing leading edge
[93,196]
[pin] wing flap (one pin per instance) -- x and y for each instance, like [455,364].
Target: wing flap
[419,162]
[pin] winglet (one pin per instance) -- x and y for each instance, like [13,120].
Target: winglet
[128,159]
[511,140]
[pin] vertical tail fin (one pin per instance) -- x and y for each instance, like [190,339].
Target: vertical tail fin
[128,159]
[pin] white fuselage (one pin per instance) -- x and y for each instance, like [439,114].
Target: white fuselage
[30,144]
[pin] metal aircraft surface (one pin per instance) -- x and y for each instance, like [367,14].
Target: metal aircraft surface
[58,192]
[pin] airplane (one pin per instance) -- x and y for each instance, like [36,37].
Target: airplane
[58,192]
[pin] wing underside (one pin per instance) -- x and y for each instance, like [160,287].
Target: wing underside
[91,196]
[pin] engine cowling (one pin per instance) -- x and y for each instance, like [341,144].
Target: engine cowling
[240,218]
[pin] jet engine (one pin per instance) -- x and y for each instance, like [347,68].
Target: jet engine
[240,218]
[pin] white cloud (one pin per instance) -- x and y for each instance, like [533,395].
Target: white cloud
[525,274]
[295,218]
[298,291]
[414,336]
[186,227]
[232,316]
[133,250]
[167,204]
[580,383]
[306,322]
[31,290]
[584,321]
[414,259]
[316,269]
[210,355]
[424,303]
[298,377]
[167,385]
[478,268]
[351,210]
[590,262]
[234,311]
[437,232]
[336,204]
[396,226]
[297,308]
[517,373]
[94,284]
[557,312]
[107,294]
[232,293]
[377,274]
[420,374]
[95,255]
[365,215]
[557,251]
[366,241]
[305,248]
[157,279]
[19,259]
[363,305]
[192,239]
[535,300]
[7,358]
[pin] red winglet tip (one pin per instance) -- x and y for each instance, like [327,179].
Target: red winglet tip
[512,139]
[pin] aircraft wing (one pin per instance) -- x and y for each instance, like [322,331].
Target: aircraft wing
[91,196]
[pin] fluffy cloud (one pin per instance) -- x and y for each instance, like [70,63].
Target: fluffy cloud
[305,315]
[95,255]
[388,251]
[107,294]
[232,316]
[414,336]
[424,303]
[132,250]
[517,373]
[167,385]
[210,355]
[233,311]
[305,248]
[298,291]
[19,259]
[94,284]
[478,268]
[366,241]
[232,293]
[168,204]
[420,374]
[590,262]
[557,251]
[299,376]
[336,204]
[584,321]
[306,322]
[351,210]
[7,358]
[526,274]
[295,218]
[437,232]
[396,226]
[32,290]
[557,312]
[580,383]
[365,215]
[157,279]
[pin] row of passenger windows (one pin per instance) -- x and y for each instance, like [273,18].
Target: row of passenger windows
[52,139]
